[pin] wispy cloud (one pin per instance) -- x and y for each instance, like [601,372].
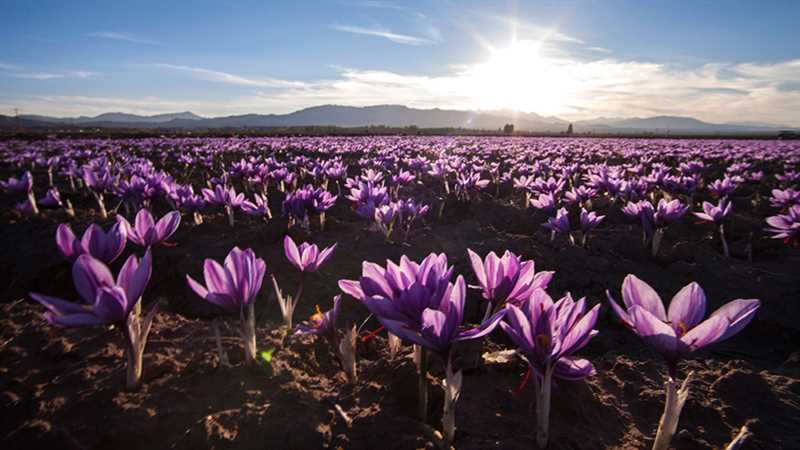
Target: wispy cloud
[126,37]
[51,75]
[9,67]
[37,75]
[229,78]
[599,50]
[391,6]
[386,34]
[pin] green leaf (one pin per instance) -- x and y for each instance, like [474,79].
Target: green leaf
[267,355]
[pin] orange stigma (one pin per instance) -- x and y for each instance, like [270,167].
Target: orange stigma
[317,317]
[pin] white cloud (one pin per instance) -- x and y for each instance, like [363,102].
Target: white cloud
[38,75]
[228,78]
[599,49]
[126,37]
[386,34]
[391,6]
[51,75]
[9,67]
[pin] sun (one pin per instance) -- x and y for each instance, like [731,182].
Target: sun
[521,77]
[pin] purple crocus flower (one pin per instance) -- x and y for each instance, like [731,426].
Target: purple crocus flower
[508,279]
[589,220]
[680,330]
[259,207]
[52,199]
[579,195]
[714,213]
[21,185]
[547,334]
[723,187]
[558,224]
[668,212]
[104,246]
[417,302]
[105,301]
[234,287]
[545,202]
[306,257]
[322,323]
[147,232]
[784,199]
[785,226]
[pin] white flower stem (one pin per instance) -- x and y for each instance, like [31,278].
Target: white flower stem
[543,389]
[223,356]
[422,385]
[452,391]
[657,236]
[248,332]
[675,398]
[347,353]
[741,437]
[135,332]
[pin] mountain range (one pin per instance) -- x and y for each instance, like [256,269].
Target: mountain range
[390,116]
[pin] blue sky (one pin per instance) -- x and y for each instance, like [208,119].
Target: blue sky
[717,60]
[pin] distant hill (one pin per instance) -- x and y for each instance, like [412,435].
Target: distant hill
[666,124]
[116,117]
[395,116]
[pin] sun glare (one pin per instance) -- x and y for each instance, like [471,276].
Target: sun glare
[522,78]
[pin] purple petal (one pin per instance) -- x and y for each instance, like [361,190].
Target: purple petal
[637,292]
[292,253]
[573,369]
[620,313]
[352,288]
[580,333]
[111,304]
[88,275]
[739,313]
[483,329]
[66,242]
[687,308]
[167,225]
[706,333]
[59,306]
[657,334]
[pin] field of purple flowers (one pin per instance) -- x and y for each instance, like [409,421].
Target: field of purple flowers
[400,292]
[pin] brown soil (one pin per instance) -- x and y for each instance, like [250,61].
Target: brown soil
[64,388]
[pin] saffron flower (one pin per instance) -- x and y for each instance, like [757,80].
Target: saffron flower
[785,226]
[234,287]
[547,334]
[21,185]
[680,330]
[716,214]
[677,332]
[418,303]
[559,224]
[106,302]
[507,280]
[589,221]
[306,257]
[322,324]
[146,232]
[104,246]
